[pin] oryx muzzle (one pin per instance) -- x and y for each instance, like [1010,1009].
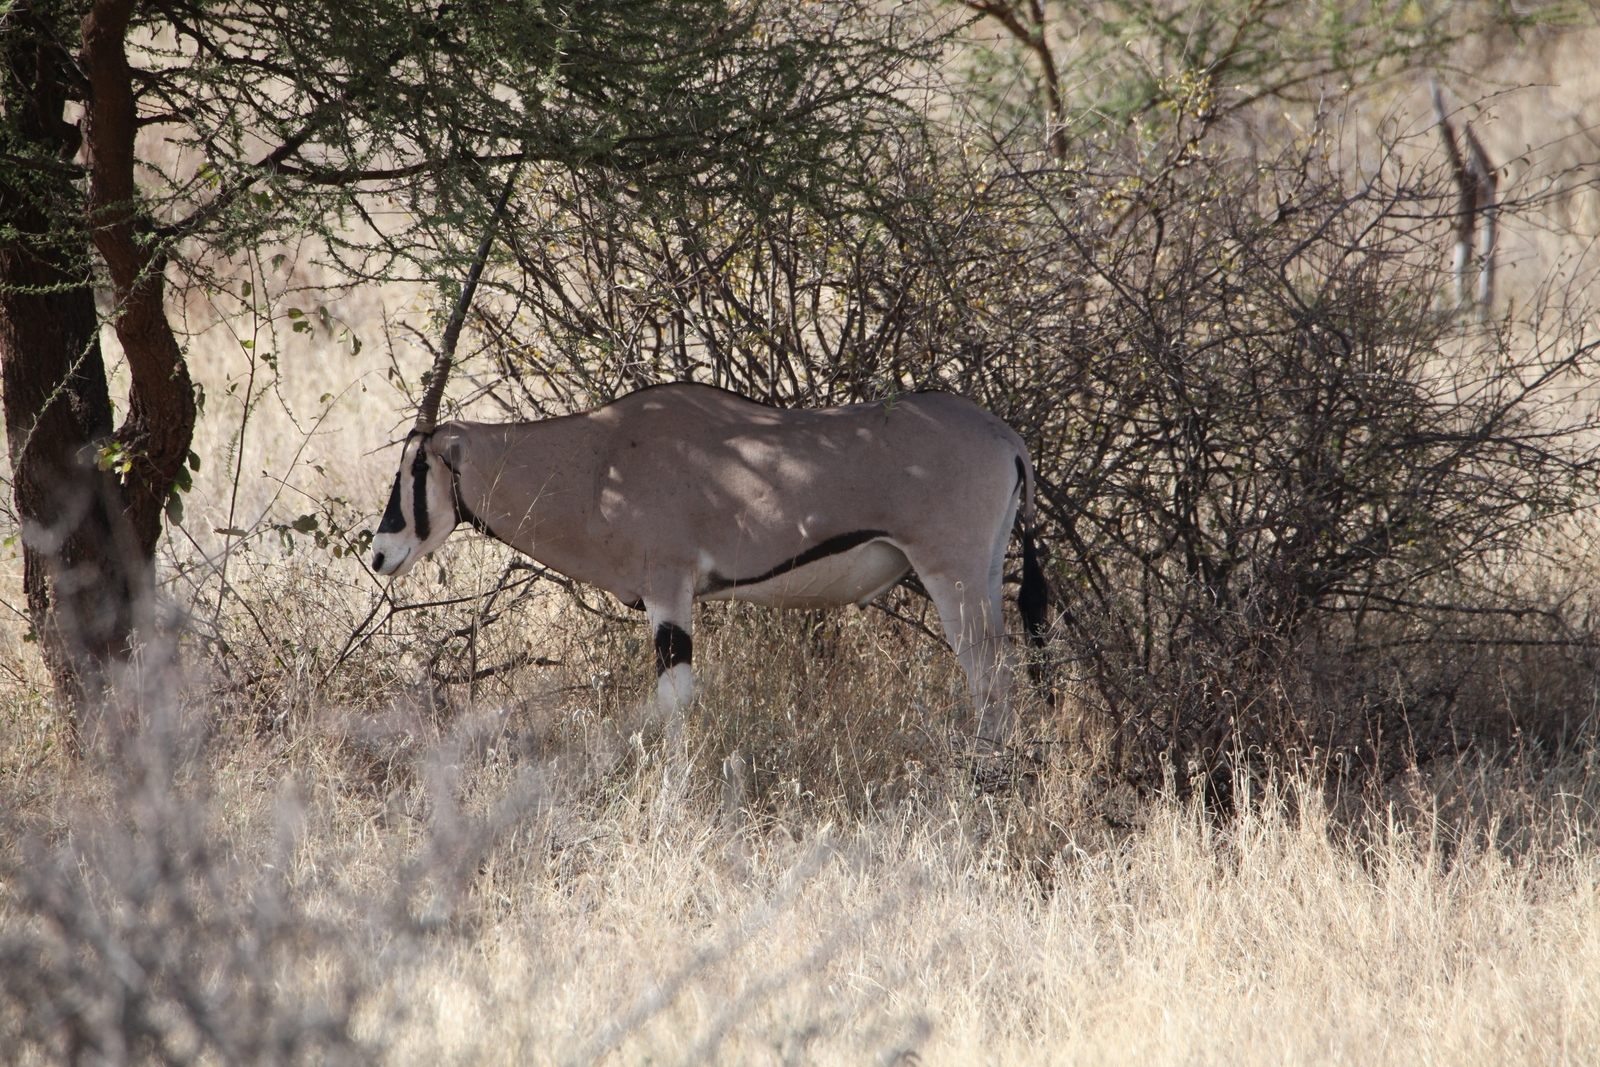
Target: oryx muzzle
[684,492]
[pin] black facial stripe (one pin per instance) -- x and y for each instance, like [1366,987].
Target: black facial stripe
[673,646]
[1022,473]
[831,547]
[465,514]
[393,520]
[419,491]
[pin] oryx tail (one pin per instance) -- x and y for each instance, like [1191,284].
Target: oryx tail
[1033,599]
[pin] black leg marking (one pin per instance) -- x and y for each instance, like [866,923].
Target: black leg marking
[419,491]
[673,646]
[393,520]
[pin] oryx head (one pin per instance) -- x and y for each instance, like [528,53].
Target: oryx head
[422,505]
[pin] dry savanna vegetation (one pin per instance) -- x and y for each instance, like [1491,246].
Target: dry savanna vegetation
[1293,306]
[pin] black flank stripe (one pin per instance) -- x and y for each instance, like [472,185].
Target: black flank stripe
[419,490]
[831,547]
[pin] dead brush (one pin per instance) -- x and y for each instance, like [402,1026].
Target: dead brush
[142,935]
[838,711]
[588,896]
[826,710]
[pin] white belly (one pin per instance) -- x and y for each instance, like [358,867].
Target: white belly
[852,577]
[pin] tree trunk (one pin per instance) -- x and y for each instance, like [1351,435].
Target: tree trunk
[89,536]
[82,572]
[161,409]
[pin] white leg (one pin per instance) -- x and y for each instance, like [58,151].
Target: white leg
[969,609]
[675,688]
[671,627]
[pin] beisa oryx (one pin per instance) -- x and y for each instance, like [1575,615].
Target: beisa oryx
[684,492]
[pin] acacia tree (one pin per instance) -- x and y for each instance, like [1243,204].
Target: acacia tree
[294,119]
[1127,67]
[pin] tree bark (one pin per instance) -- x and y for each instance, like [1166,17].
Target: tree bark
[82,573]
[161,409]
[89,534]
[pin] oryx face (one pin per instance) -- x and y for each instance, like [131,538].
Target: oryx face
[421,511]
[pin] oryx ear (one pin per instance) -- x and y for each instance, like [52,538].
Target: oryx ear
[449,444]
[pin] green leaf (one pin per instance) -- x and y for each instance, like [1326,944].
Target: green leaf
[175,509]
[246,289]
[229,531]
[296,313]
[194,460]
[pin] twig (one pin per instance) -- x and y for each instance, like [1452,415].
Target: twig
[524,659]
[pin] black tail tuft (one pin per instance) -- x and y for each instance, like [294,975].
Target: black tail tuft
[1033,600]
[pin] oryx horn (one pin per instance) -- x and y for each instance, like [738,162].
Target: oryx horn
[428,410]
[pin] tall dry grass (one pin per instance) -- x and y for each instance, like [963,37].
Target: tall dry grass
[306,837]
[533,874]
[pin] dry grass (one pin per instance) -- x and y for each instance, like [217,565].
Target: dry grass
[530,883]
[328,855]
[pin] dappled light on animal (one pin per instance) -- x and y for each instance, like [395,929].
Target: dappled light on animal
[684,492]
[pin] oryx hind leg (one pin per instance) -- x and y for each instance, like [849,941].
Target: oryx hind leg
[965,589]
[969,609]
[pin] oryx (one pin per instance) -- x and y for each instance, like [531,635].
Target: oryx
[685,492]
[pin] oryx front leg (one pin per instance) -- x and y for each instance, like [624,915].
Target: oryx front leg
[671,627]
